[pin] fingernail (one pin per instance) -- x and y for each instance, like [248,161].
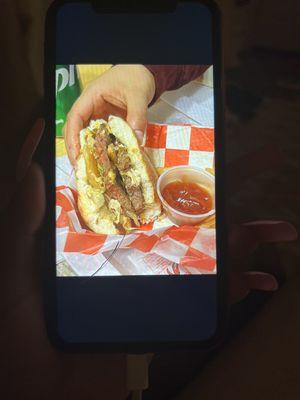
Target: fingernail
[28,149]
[274,285]
[271,283]
[140,137]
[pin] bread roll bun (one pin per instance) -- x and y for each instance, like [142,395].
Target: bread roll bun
[91,201]
[97,184]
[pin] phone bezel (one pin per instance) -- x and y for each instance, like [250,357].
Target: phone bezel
[48,254]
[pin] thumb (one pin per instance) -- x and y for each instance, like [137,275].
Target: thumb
[137,115]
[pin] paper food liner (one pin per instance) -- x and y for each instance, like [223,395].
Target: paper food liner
[156,248]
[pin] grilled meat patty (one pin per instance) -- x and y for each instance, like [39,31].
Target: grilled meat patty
[134,191]
[114,190]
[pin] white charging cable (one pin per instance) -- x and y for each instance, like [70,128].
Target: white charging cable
[137,374]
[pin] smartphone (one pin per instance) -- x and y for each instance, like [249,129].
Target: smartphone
[135,238]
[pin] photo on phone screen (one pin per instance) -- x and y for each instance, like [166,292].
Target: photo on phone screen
[134,202]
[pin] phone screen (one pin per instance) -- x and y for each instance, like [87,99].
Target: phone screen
[135,108]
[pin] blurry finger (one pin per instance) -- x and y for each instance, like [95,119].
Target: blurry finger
[238,171]
[272,231]
[27,208]
[22,219]
[260,281]
[241,284]
[29,148]
[7,193]
[27,151]
[244,239]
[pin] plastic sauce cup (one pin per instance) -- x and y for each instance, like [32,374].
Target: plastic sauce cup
[186,174]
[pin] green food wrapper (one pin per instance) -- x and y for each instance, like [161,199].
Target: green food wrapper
[67,92]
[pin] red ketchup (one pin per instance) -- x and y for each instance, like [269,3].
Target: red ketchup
[187,197]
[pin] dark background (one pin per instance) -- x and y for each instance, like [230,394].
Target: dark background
[262,71]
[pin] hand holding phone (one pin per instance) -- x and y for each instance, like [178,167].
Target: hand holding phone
[21,294]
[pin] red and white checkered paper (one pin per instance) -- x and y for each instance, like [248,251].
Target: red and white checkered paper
[157,248]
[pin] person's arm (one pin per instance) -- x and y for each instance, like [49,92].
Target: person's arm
[171,77]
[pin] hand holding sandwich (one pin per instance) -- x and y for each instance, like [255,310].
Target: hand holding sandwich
[124,90]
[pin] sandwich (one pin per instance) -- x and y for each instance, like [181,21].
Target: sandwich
[115,179]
